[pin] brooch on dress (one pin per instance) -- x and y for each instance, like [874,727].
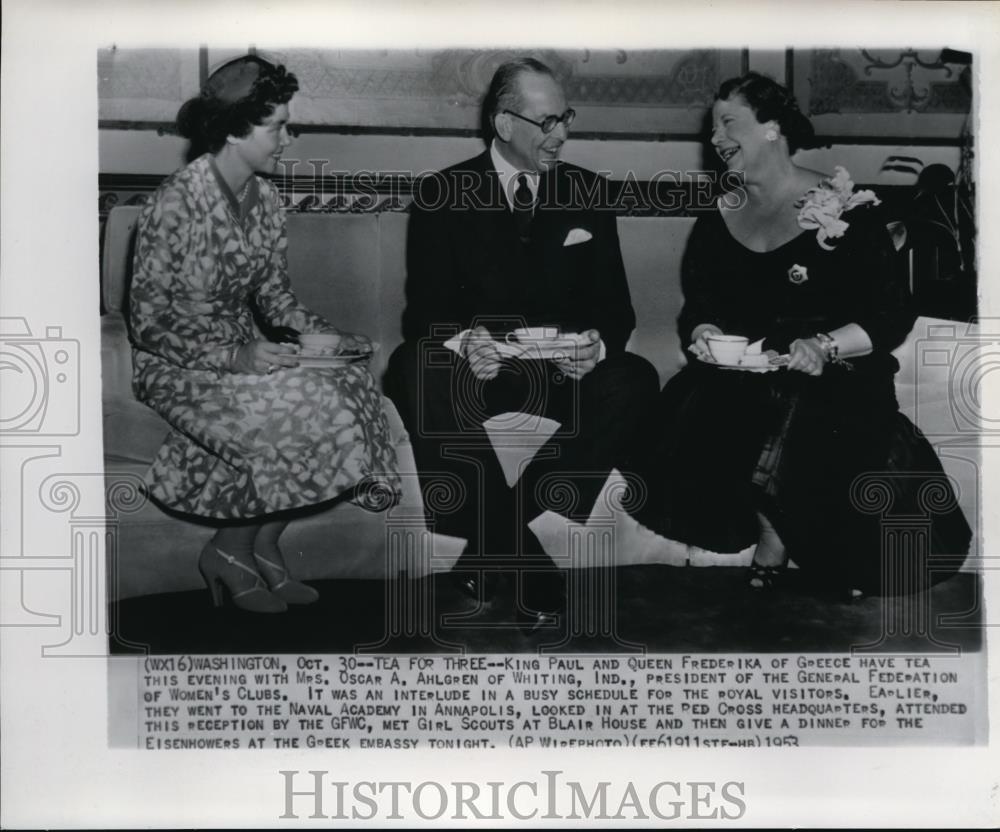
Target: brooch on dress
[820,207]
[797,274]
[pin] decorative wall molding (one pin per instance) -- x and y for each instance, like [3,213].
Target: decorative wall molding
[900,94]
[904,83]
[145,85]
[853,95]
[615,92]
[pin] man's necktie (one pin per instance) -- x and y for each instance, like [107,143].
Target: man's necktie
[524,205]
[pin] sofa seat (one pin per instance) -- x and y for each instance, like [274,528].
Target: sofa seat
[351,268]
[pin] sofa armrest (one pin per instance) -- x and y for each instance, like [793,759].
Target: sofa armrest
[116,358]
[397,432]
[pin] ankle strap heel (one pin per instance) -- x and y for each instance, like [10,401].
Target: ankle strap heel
[284,586]
[220,569]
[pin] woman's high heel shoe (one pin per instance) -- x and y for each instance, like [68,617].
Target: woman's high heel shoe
[221,570]
[284,586]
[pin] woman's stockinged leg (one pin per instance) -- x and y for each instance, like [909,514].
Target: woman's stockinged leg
[271,563]
[237,541]
[266,543]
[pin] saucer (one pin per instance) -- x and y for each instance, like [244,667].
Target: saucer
[746,368]
[342,360]
[562,347]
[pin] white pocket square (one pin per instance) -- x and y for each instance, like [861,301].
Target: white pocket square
[577,236]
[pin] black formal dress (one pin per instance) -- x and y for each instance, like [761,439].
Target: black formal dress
[816,455]
[469,264]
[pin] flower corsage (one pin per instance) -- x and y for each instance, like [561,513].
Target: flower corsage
[821,207]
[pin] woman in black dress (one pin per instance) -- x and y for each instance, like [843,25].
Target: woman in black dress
[801,265]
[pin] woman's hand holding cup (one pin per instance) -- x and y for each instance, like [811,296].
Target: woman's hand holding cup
[583,356]
[479,349]
[699,341]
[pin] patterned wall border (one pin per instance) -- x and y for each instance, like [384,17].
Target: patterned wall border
[631,102]
[632,95]
[903,95]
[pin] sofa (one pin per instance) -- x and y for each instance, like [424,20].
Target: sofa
[350,267]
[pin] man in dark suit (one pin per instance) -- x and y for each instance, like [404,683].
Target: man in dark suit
[508,239]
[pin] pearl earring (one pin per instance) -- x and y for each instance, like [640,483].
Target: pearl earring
[771,136]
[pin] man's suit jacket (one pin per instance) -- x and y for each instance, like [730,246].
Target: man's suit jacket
[466,261]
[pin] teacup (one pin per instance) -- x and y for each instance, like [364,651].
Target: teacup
[319,343]
[529,334]
[727,349]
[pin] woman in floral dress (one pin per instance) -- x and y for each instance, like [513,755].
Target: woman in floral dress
[788,453]
[254,434]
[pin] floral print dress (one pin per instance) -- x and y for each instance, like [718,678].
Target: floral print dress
[243,445]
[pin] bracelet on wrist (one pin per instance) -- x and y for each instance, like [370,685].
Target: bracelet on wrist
[831,350]
[828,345]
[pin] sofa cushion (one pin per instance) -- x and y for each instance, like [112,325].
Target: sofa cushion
[652,249]
[132,432]
[392,228]
[333,267]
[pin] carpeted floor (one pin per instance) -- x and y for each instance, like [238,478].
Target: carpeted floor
[657,609]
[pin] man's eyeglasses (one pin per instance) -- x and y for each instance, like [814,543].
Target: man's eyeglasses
[547,124]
